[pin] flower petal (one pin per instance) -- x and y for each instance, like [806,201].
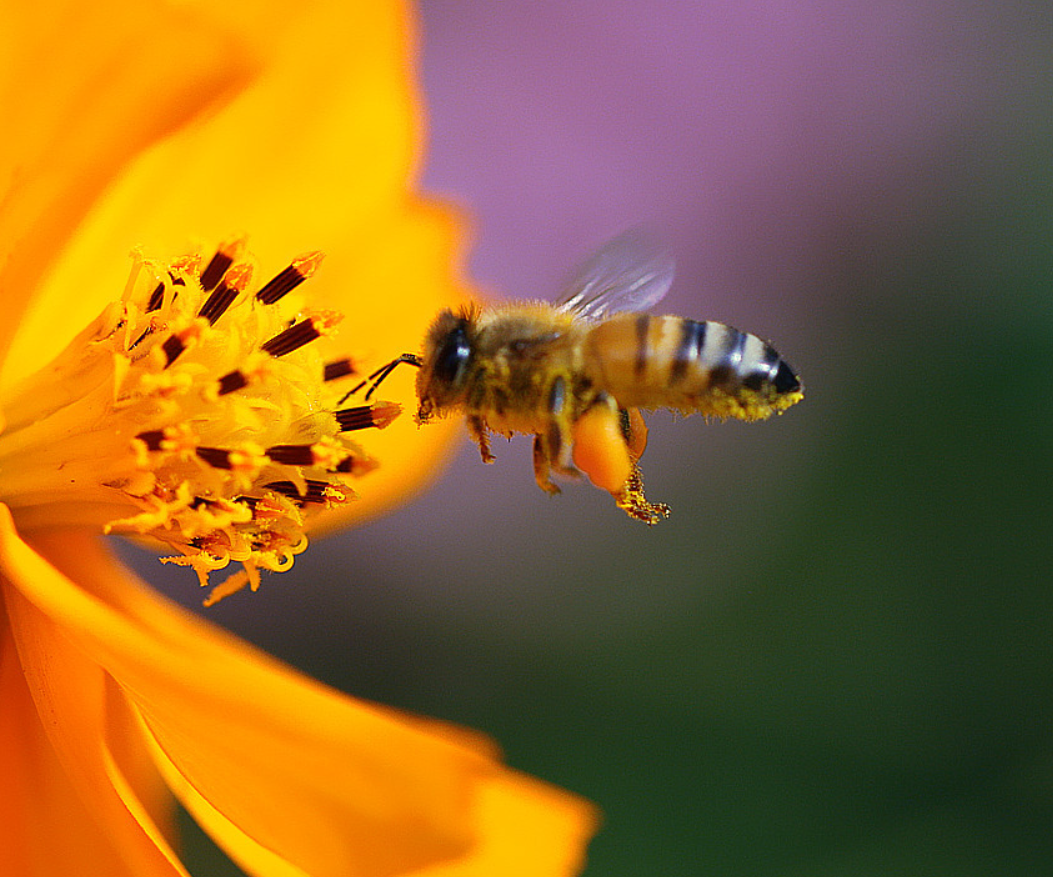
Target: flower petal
[84,87]
[63,773]
[528,829]
[317,154]
[331,785]
[38,794]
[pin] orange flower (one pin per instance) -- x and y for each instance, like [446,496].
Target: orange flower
[165,127]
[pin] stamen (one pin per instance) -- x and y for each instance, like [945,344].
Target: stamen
[232,381]
[339,368]
[223,296]
[378,415]
[220,262]
[301,333]
[325,454]
[246,459]
[356,466]
[282,284]
[188,264]
[217,458]
[292,455]
[156,297]
[172,347]
[316,491]
[152,439]
[176,344]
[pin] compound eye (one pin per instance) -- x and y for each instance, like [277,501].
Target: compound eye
[452,356]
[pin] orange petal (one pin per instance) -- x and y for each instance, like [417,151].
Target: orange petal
[284,764]
[84,87]
[316,155]
[529,829]
[64,774]
[38,795]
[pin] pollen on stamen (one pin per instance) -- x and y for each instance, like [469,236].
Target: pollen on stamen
[210,420]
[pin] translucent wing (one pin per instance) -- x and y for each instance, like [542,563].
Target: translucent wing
[629,273]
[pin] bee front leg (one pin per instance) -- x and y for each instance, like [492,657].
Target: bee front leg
[480,434]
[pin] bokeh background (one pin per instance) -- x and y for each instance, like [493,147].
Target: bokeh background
[836,657]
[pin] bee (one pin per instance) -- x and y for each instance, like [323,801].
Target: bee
[576,373]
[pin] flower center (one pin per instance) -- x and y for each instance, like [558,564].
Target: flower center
[193,411]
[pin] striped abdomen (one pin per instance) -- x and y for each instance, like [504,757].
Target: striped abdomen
[705,367]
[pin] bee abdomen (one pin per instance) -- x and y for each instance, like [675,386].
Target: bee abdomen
[706,367]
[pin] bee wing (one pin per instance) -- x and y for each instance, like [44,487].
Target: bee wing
[629,273]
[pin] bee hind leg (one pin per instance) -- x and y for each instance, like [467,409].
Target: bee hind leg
[631,500]
[608,445]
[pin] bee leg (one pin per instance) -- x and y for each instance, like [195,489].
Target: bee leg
[631,500]
[608,444]
[480,434]
[634,430]
[542,467]
[558,440]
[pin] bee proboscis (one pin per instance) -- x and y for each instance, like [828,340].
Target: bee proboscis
[574,374]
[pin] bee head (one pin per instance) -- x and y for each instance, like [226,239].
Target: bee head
[447,355]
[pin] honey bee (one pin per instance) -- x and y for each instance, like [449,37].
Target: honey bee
[574,374]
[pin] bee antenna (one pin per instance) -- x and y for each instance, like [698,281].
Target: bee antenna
[381,373]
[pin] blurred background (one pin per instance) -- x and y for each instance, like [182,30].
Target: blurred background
[836,656]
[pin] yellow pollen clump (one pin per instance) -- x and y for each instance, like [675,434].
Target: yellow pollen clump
[193,411]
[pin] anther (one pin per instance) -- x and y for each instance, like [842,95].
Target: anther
[292,455]
[156,298]
[232,381]
[152,439]
[356,466]
[316,491]
[339,368]
[286,281]
[378,415]
[222,297]
[224,257]
[217,458]
[172,347]
[301,333]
